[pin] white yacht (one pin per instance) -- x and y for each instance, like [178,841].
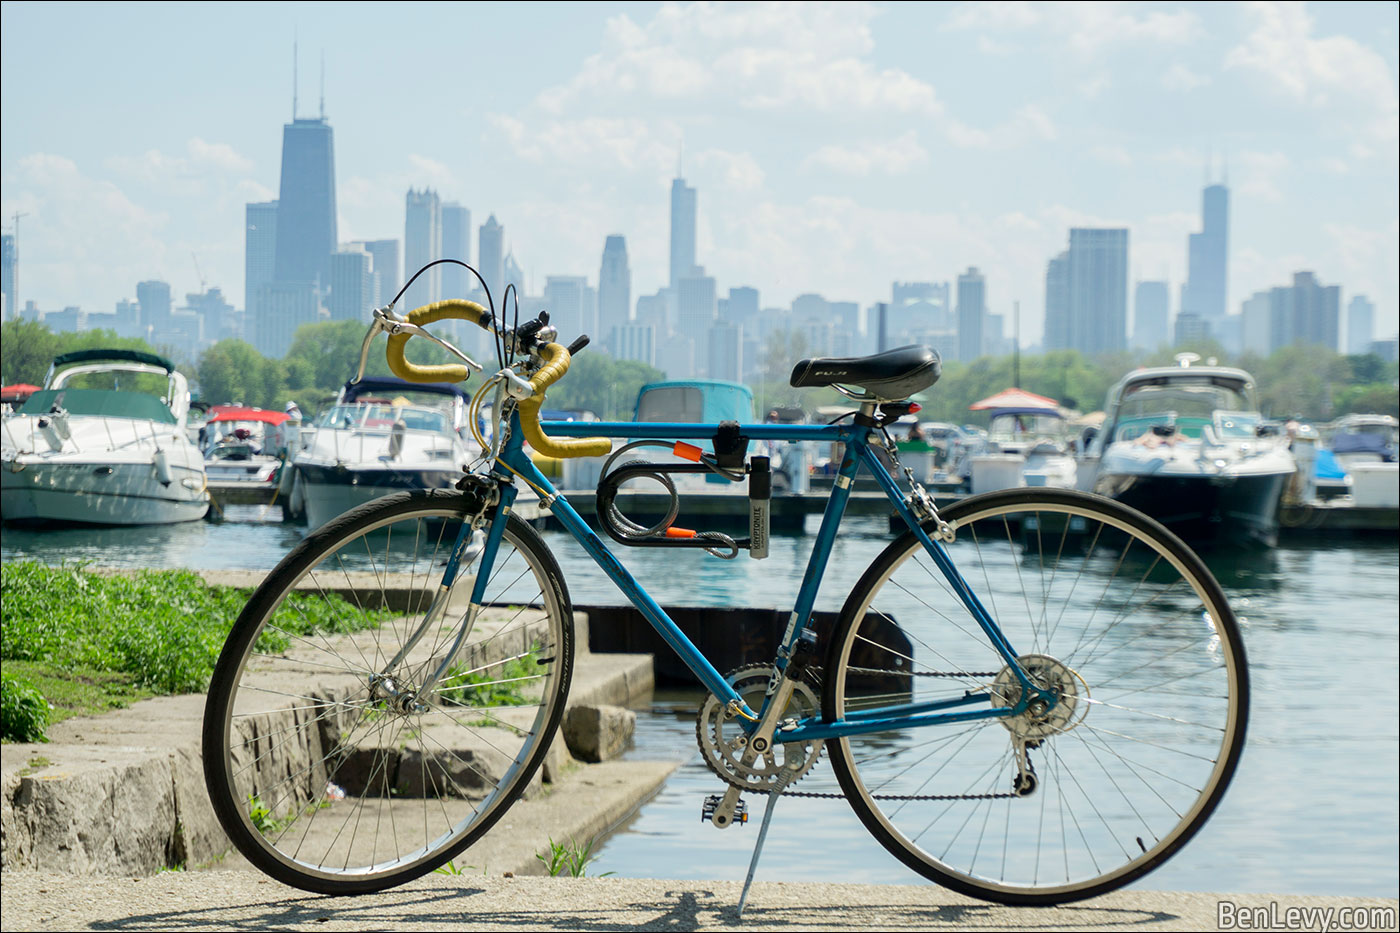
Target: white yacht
[382,435]
[103,456]
[1187,445]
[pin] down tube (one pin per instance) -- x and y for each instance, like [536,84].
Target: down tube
[633,590]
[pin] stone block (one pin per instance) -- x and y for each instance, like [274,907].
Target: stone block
[598,733]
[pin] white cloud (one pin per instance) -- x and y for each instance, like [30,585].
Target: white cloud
[888,157]
[1181,78]
[1260,175]
[1113,155]
[625,143]
[1085,27]
[1029,124]
[1320,72]
[765,56]
[735,171]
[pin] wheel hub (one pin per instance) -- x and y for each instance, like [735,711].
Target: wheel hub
[1063,709]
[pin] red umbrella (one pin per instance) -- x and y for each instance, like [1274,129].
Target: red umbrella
[17,392]
[1014,398]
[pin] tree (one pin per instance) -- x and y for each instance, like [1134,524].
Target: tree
[28,347]
[232,371]
[599,383]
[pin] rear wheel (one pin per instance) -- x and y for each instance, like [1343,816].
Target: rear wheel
[1112,614]
[327,765]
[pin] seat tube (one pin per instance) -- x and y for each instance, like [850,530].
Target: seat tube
[821,550]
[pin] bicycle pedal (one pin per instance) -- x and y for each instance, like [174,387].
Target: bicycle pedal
[712,802]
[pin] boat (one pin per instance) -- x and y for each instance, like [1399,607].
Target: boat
[243,446]
[103,456]
[382,435]
[711,401]
[1187,445]
[1026,444]
[1363,447]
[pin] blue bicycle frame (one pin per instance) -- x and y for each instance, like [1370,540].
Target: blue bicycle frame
[513,462]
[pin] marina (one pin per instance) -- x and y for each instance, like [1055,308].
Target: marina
[1312,808]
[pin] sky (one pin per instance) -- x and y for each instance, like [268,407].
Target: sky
[836,148]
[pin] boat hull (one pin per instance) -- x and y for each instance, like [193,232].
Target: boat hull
[329,491]
[1220,509]
[99,494]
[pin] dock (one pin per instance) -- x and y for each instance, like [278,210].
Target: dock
[721,509]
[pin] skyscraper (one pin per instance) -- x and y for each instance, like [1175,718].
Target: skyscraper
[1206,256]
[422,243]
[259,252]
[1309,314]
[351,285]
[695,312]
[682,232]
[456,282]
[972,309]
[386,267]
[306,231]
[1086,293]
[1057,323]
[154,298]
[1098,289]
[1361,314]
[1150,311]
[614,288]
[9,274]
[566,298]
[491,256]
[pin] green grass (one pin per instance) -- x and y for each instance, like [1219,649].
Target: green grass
[93,642]
[570,858]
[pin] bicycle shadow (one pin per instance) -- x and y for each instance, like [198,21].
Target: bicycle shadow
[574,909]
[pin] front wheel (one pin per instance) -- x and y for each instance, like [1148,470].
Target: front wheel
[1107,612]
[328,766]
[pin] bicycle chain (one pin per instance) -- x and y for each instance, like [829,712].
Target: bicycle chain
[812,793]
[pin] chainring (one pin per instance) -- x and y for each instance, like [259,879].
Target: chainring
[723,743]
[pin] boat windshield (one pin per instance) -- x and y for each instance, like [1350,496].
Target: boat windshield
[110,403]
[1188,408]
[381,416]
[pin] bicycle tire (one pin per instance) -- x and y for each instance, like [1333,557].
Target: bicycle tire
[330,787]
[1122,784]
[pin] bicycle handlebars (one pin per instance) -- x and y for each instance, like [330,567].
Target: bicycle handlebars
[438,311]
[556,363]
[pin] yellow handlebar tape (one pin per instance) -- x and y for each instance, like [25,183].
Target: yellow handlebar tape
[556,364]
[457,309]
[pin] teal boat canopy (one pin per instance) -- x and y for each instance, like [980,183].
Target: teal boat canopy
[113,355]
[694,401]
[111,403]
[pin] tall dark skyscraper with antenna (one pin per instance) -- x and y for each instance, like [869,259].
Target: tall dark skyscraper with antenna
[306,233]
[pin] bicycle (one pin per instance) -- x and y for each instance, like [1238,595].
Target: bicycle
[1031,696]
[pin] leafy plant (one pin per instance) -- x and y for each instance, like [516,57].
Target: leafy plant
[496,684]
[569,857]
[24,713]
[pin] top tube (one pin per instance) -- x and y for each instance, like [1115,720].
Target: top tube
[675,431]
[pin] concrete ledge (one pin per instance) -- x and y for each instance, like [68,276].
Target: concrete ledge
[123,793]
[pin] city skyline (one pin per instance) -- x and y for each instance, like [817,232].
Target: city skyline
[806,210]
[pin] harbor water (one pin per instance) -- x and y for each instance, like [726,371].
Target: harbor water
[1312,810]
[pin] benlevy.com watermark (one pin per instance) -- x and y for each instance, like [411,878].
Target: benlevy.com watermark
[1276,916]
